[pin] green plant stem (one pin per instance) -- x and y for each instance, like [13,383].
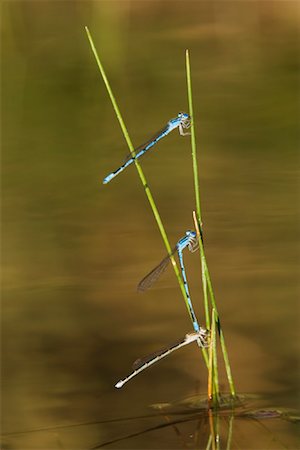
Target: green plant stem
[196,176]
[210,371]
[198,220]
[206,282]
[217,318]
[215,362]
[193,137]
[139,169]
[205,297]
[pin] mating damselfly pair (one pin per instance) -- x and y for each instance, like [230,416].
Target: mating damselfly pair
[189,240]
[200,334]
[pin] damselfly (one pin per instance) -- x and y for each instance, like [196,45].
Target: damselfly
[182,121]
[190,241]
[142,363]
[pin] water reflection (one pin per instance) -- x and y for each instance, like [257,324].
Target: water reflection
[185,424]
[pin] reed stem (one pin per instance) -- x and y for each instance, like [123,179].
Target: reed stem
[139,169]
[215,362]
[206,281]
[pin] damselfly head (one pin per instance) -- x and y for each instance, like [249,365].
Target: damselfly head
[183,115]
[193,241]
[185,119]
[190,234]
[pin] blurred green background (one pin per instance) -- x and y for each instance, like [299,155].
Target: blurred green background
[73,250]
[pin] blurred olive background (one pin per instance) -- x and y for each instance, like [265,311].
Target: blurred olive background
[74,250]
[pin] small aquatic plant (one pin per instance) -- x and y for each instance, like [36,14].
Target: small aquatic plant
[182,121]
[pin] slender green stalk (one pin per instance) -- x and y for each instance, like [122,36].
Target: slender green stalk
[205,297]
[196,175]
[206,282]
[196,181]
[139,169]
[214,353]
[210,370]
[206,357]
[203,275]
[217,318]
[193,136]
[213,381]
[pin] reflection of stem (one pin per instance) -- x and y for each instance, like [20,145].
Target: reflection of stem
[230,428]
[209,442]
[217,419]
[212,429]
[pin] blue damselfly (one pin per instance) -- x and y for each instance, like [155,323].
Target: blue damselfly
[190,241]
[182,121]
